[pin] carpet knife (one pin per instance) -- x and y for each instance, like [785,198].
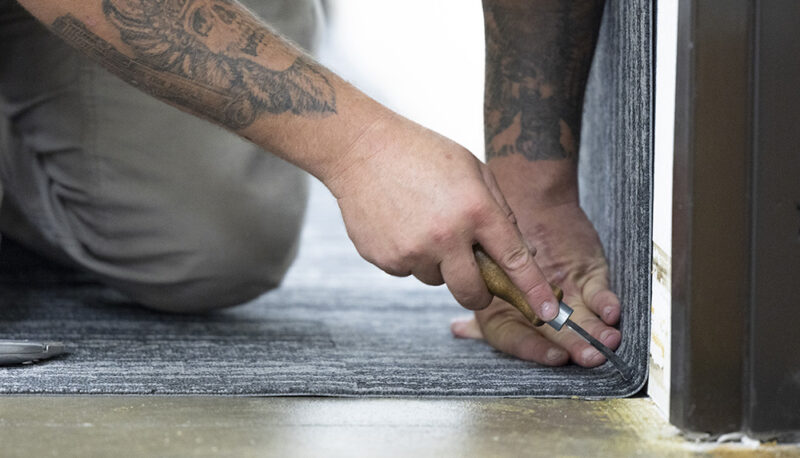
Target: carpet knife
[501,286]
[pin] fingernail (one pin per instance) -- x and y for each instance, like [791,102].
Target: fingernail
[549,311]
[554,354]
[590,355]
[607,312]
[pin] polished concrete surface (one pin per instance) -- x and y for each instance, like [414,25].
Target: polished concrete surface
[226,426]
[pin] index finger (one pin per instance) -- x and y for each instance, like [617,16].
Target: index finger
[504,244]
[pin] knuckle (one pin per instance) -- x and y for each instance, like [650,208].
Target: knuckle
[512,218]
[410,253]
[380,259]
[476,210]
[516,258]
[401,268]
[370,257]
[474,300]
[430,280]
[441,235]
[396,270]
[392,265]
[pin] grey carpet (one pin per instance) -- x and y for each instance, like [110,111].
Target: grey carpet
[339,326]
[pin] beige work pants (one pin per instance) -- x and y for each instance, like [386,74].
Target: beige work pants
[170,209]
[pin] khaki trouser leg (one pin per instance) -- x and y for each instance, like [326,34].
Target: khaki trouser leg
[177,213]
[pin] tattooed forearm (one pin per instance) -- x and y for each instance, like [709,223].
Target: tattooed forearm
[206,56]
[538,55]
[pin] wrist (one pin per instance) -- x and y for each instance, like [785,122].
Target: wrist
[363,143]
[530,185]
[325,147]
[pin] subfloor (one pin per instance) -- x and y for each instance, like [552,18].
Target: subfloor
[244,426]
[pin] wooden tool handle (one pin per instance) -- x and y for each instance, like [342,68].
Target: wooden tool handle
[501,286]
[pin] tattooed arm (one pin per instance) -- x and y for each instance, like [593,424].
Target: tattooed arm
[214,59]
[413,202]
[538,54]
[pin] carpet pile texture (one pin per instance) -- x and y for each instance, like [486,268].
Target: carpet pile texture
[338,326]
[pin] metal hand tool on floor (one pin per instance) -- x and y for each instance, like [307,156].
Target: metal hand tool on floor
[501,286]
[21,351]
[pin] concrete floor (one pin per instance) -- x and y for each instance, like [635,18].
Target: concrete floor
[225,426]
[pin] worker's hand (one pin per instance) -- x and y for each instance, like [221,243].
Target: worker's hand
[414,203]
[570,254]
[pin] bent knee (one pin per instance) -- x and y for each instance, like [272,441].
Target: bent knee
[200,297]
[229,262]
[173,247]
[222,281]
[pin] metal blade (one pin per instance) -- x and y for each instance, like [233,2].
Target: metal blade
[619,364]
[20,351]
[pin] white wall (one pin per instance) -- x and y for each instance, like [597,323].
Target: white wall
[422,58]
[661,305]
